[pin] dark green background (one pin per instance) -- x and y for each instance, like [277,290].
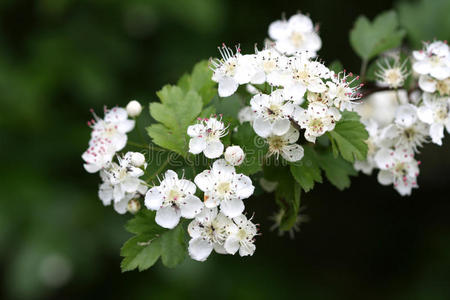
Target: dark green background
[58,58]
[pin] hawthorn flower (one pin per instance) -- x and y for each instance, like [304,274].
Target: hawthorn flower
[392,75]
[433,60]
[296,34]
[435,112]
[209,231]
[398,167]
[113,128]
[246,114]
[173,198]
[430,85]
[234,155]
[342,92]
[285,145]
[99,154]
[232,70]
[407,130]
[205,137]
[373,145]
[222,186]
[121,178]
[241,237]
[272,113]
[316,119]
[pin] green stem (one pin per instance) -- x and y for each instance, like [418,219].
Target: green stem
[362,73]
[143,146]
[163,165]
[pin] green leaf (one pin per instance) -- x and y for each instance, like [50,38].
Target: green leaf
[229,107]
[370,39]
[336,66]
[337,170]
[254,148]
[350,136]
[177,110]
[173,246]
[307,170]
[200,81]
[150,242]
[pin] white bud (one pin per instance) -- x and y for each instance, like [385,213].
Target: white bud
[134,108]
[234,155]
[137,159]
[133,206]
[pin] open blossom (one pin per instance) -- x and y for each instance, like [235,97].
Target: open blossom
[205,137]
[398,167]
[108,136]
[342,91]
[393,74]
[272,113]
[430,85]
[285,145]
[266,62]
[232,70]
[127,203]
[209,231]
[295,34]
[435,112]
[172,199]
[241,237]
[407,130]
[222,186]
[316,119]
[433,60]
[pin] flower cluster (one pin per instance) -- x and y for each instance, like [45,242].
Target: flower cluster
[399,123]
[293,76]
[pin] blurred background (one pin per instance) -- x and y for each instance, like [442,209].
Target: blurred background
[59,58]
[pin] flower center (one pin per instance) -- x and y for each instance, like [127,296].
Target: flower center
[443,86]
[230,67]
[300,75]
[269,66]
[224,188]
[316,125]
[394,77]
[297,39]
[173,196]
[242,234]
[276,144]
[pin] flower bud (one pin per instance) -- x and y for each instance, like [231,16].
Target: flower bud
[133,206]
[234,155]
[137,159]
[134,108]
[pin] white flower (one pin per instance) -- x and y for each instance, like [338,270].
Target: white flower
[172,199]
[209,231]
[433,60]
[113,128]
[234,155]
[272,113]
[266,62]
[342,92]
[435,112]
[317,119]
[407,131]
[373,144]
[285,145]
[246,114]
[232,70]
[242,237]
[99,154]
[134,108]
[398,167]
[205,137]
[392,75]
[294,35]
[430,85]
[299,75]
[222,186]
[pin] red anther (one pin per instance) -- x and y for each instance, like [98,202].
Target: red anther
[350,74]
[357,77]
[361,85]
[445,42]
[88,123]
[345,70]
[223,45]
[91,110]
[419,162]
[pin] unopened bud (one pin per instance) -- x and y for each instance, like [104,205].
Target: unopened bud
[134,108]
[234,155]
[137,159]
[133,206]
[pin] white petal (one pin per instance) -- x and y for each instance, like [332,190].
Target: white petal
[248,250]
[300,23]
[385,177]
[427,84]
[153,198]
[187,186]
[121,206]
[126,126]
[219,248]
[116,114]
[130,185]
[422,67]
[232,244]
[213,149]
[437,133]
[167,217]
[195,229]
[227,86]
[243,186]
[207,214]
[204,180]
[232,207]
[292,152]
[195,130]
[105,193]
[191,206]
[295,92]
[281,126]
[425,114]
[199,249]
[262,127]
[197,145]
[384,158]
[278,30]
[92,168]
